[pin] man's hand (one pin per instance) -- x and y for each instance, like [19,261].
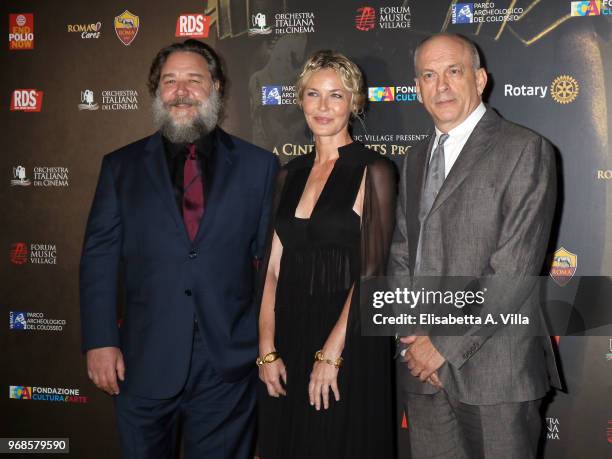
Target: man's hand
[434,380]
[104,364]
[421,356]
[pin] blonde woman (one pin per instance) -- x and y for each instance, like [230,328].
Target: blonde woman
[326,390]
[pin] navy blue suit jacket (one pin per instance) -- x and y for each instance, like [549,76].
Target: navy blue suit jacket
[135,231]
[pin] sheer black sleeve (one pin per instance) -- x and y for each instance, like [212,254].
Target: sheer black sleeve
[378,216]
[262,269]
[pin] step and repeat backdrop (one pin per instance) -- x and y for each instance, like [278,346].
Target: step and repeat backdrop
[74,88]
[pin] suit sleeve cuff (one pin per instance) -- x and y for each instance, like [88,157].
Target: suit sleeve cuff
[457,349]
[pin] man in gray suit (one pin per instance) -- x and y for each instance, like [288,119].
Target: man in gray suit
[476,199]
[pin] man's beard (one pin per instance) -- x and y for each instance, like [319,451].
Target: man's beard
[187,130]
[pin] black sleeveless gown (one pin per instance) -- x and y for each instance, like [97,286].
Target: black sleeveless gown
[324,256]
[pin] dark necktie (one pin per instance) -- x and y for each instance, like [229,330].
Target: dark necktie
[193,193]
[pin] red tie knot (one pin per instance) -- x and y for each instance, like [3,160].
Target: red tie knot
[191,148]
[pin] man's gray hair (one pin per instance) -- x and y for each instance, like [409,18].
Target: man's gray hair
[467,42]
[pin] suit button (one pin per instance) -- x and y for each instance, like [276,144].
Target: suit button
[188,292]
[193,254]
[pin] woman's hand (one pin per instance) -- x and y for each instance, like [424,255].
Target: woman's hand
[323,378]
[271,374]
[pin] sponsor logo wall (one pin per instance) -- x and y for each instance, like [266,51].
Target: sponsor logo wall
[564,89]
[42,176]
[46,394]
[192,26]
[26,100]
[126,27]
[21,31]
[34,321]
[86,31]
[110,99]
[35,253]
[385,17]
[78,91]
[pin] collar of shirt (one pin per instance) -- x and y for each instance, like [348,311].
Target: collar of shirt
[458,136]
[204,146]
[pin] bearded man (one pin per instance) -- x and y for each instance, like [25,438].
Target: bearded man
[179,219]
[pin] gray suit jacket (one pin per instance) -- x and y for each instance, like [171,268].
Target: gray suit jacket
[492,216]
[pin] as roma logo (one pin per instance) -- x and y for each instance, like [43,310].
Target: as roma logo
[126,27]
[563,266]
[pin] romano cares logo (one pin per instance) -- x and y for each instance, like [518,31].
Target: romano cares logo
[87,31]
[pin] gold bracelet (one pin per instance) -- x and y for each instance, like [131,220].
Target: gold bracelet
[268,358]
[320,358]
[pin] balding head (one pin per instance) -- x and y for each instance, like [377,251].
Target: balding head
[469,45]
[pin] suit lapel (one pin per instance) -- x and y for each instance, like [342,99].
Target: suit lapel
[416,171]
[480,141]
[224,151]
[157,168]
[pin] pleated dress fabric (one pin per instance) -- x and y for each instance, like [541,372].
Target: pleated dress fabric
[323,257]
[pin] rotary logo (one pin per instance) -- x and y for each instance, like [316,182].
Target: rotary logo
[126,27]
[563,266]
[564,89]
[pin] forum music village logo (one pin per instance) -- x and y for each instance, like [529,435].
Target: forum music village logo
[22,253]
[387,17]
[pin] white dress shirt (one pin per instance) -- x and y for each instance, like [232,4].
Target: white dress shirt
[457,137]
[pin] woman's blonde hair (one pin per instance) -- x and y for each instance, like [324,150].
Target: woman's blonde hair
[347,70]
